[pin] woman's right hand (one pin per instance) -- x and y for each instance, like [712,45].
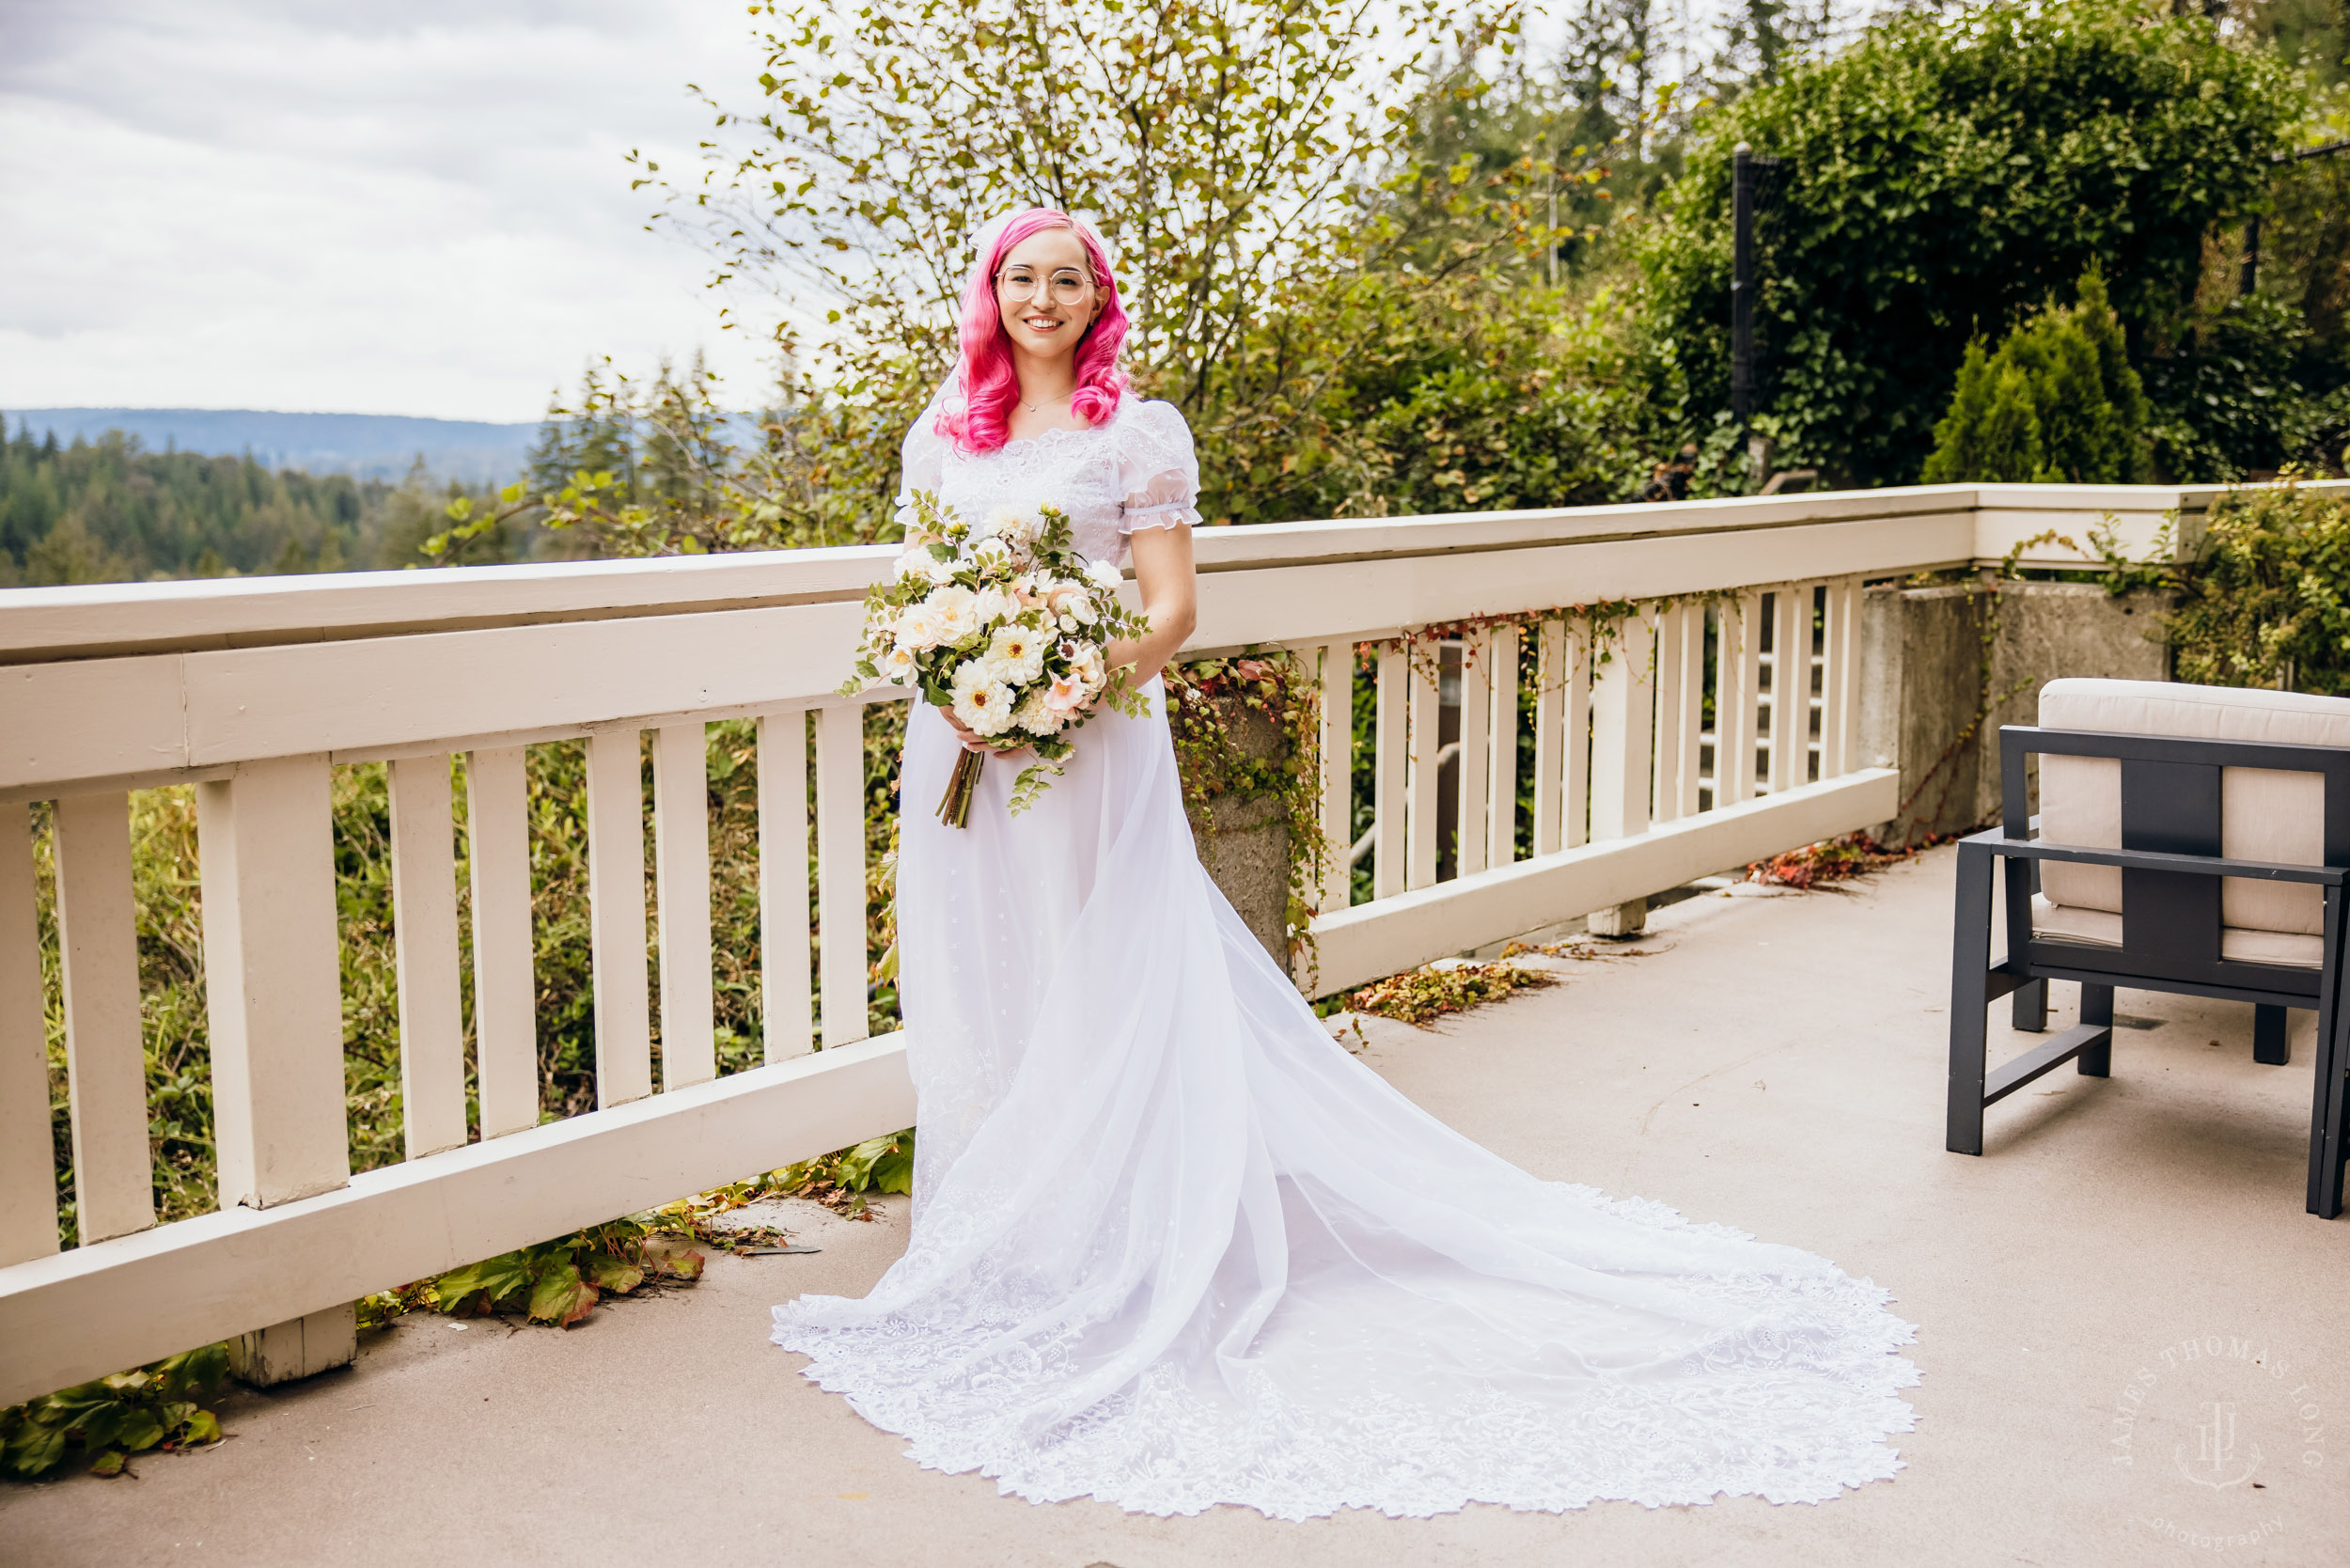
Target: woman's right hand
[970,738]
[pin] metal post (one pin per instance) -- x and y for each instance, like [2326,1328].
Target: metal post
[1742,283]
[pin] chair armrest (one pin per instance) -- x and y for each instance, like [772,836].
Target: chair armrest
[1998,842]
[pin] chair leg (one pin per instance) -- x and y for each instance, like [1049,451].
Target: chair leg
[2097,1061]
[2272,1035]
[2325,1139]
[2032,1007]
[1971,1007]
[2333,1057]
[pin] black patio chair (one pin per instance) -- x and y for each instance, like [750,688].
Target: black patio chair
[2168,933]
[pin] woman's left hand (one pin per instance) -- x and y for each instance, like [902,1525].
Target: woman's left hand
[971,740]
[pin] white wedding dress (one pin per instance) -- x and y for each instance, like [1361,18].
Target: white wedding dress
[1173,1246]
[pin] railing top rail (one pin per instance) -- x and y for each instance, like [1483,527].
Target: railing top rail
[38,625]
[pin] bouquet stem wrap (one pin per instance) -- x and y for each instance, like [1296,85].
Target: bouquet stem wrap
[955,808]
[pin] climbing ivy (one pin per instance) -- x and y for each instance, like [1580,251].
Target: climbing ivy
[107,1420]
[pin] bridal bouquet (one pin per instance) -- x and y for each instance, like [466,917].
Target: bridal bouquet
[1004,623]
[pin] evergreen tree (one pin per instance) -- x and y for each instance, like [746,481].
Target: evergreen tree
[109,511]
[2055,403]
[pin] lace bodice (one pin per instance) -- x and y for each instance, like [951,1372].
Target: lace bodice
[1134,471]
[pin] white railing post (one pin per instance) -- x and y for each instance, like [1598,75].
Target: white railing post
[505,959]
[1574,739]
[1838,649]
[1550,695]
[106,1066]
[1624,731]
[616,917]
[1336,877]
[1671,673]
[1689,717]
[423,934]
[1502,845]
[1388,781]
[1474,768]
[1737,697]
[28,1184]
[1791,684]
[680,814]
[1623,706]
[1422,790]
[273,992]
[840,868]
[273,982]
[786,998]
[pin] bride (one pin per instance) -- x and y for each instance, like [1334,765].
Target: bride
[1173,1246]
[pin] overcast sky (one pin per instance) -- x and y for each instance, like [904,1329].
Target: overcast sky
[418,207]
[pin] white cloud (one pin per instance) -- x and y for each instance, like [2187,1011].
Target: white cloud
[415,209]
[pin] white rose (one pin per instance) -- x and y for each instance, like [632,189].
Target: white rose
[992,555]
[914,563]
[1018,653]
[1069,623]
[1082,608]
[958,612]
[1087,667]
[999,523]
[993,605]
[919,628]
[1103,575]
[898,666]
[937,570]
[984,705]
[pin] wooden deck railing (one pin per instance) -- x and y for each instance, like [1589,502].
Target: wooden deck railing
[252,691]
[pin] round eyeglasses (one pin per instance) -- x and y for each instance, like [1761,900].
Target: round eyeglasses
[1063,286]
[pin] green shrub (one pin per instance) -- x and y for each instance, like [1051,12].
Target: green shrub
[2253,388]
[2055,403]
[2267,602]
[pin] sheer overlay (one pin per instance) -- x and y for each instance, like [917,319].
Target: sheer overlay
[1173,1246]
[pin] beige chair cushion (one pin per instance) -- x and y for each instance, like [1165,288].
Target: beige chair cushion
[2263,814]
[2103,929]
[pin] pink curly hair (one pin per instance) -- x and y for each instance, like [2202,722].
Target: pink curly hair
[989,385]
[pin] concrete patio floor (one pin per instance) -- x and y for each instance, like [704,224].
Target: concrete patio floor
[1776,1063]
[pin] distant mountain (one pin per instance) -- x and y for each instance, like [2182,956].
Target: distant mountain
[371,446]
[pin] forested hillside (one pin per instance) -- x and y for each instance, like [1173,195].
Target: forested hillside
[109,511]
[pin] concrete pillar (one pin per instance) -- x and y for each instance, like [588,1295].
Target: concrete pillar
[1243,842]
[1943,668]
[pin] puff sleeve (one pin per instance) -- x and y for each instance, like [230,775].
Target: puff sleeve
[1158,471]
[922,460]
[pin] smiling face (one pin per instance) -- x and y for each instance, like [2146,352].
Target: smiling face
[1046,291]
